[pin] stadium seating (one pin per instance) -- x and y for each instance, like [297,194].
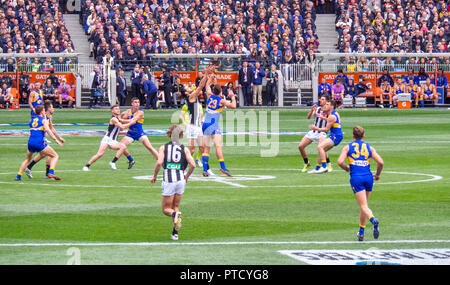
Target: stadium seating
[130,30]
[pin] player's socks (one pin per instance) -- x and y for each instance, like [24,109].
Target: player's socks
[372,219]
[18,176]
[306,160]
[422,103]
[87,165]
[205,160]
[129,158]
[318,166]
[222,164]
[31,164]
[361,229]
[324,163]
[115,159]
[47,169]
[51,171]
[199,155]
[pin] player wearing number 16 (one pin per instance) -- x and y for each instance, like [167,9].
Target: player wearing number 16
[173,157]
[359,154]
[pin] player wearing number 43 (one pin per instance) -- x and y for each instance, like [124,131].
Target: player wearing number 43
[359,154]
[174,158]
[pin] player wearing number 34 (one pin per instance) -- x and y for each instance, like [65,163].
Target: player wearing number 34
[359,154]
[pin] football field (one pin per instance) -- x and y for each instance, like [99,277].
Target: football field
[267,213]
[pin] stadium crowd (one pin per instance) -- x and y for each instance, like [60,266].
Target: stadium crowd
[271,32]
[411,26]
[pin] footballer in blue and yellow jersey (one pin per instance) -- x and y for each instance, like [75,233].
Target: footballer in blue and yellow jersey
[428,92]
[359,153]
[412,89]
[36,98]
[335,128]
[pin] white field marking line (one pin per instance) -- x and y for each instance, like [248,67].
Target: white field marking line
[219,243]
[433,178]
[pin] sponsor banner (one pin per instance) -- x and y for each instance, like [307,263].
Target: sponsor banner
[42,76]
[435,256]
[367,78]
[222,77]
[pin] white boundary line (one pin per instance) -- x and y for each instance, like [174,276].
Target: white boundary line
[432,178]
[219,243]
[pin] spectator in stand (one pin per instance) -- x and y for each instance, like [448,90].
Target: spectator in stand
[63,93]
[95,81]
[54,79]
[178,92]
[167,86]
[259,74]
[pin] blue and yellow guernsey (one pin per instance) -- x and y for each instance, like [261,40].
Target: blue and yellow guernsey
[37,131]
[358,156]
[37,100]
[213,110]
[136,128]
[336,128]
[412,89]
[428,89]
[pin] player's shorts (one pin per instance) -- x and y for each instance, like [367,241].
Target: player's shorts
[314,135]
[65,96]
[336,139]
[36,146]
[361,182]
[211,127]
[193,132]
[132,136]
[172,188]
[109,141]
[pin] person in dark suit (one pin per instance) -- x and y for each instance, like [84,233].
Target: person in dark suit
[167,85]
[245,79]
[136,79]
[122,88]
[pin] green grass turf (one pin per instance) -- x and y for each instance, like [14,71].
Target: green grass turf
[106,206]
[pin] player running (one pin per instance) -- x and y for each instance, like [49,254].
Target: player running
[325,144]
[135,133]
[320,121]
[359,154]
[110,139]
[173,157]
[49,110]
[36,143]
[214,106]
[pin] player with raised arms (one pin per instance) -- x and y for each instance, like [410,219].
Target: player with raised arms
[192,116]
[325,144]
[359,154]
[214,106]
[110,139]
[174,158]
[36,143]
[135,133]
